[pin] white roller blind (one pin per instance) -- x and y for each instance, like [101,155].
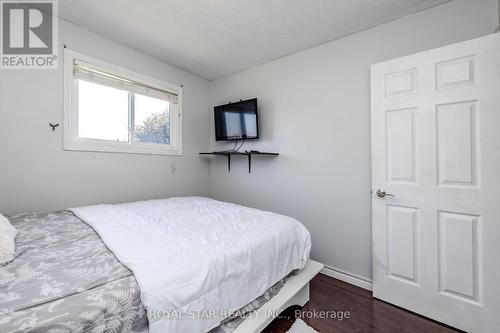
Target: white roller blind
[89,72]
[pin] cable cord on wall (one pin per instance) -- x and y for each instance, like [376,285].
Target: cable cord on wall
[232,149]
[241,145]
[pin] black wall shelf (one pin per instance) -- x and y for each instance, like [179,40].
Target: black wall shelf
[249,155]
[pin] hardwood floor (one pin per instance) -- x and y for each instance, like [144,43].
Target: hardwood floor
[366,313]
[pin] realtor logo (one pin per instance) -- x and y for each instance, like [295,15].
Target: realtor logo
[29,34]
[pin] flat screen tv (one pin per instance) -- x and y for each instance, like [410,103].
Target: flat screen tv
[236,121]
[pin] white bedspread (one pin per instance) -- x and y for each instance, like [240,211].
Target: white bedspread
[197,258]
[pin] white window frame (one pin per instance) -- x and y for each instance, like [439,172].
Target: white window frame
[70,130]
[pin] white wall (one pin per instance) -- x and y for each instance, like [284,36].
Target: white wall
[37,175]
[315,111]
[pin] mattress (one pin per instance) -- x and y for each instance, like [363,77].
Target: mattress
[197,259]
[64,279]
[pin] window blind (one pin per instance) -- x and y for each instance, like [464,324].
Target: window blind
[89,72]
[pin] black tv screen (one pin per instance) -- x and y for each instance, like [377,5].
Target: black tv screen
[236,121]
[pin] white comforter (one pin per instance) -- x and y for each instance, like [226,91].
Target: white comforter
[197,258]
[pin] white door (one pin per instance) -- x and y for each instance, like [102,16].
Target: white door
[436,148]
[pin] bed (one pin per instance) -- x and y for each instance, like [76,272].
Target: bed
[64,278]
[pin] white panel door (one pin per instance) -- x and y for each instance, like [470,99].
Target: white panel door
[436,183]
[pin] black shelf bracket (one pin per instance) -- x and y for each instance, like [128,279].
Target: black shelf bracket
[249,163]
[248,154]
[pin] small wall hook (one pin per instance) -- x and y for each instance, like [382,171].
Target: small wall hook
[53,126]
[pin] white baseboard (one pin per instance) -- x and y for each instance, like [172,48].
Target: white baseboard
[353,279]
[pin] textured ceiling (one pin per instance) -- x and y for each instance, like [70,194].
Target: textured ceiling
[213,38]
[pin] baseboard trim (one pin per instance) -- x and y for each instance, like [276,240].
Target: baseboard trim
[353,279]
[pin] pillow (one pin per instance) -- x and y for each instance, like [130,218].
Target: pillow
[7,240]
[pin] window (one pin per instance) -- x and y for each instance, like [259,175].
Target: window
[112,109]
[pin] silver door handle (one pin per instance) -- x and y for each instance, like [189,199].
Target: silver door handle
[383,194]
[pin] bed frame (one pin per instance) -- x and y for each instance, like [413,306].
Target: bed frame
[294,292]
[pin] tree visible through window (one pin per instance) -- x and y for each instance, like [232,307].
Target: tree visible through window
[155,129]
[152,123]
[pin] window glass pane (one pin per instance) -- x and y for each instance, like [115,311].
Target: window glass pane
[152,120]
[102,112]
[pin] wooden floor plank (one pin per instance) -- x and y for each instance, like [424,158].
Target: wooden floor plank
[367,314]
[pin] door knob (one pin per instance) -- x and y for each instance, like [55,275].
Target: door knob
[383,194]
